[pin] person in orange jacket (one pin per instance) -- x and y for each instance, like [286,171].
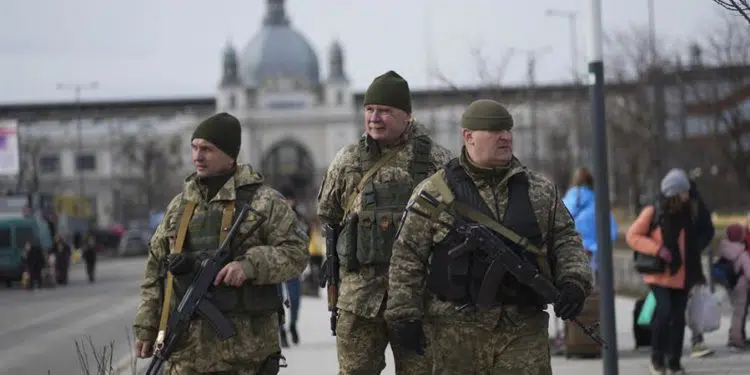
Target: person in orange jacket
[665,237]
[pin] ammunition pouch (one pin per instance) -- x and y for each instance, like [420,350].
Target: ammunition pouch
[346,247]
[382,206]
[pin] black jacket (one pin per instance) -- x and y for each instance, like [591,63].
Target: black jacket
[698,238]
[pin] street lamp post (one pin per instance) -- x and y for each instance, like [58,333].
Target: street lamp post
[572,18]
[601,186]
[77,88]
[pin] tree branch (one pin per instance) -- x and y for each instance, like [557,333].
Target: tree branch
[740,6]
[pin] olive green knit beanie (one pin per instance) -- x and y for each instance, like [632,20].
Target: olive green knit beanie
[486,114]
[223,130]
[389,89]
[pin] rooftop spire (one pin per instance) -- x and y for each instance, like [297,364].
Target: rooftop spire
[275,13]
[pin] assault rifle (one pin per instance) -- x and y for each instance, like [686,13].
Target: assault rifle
[196,300]
[502,260]
[330,272]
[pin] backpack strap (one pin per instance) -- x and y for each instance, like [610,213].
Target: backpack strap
[658,215]
[420,166]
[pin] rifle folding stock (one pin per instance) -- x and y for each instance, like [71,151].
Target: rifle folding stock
[196,299]
[503,260]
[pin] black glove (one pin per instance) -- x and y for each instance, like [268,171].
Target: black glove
[180,264]
[570,301]
[410,335]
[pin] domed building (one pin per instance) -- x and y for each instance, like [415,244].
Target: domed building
[294,121]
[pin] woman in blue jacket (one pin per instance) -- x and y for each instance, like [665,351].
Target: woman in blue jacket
[581,203]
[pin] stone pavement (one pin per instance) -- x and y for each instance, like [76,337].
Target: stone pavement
[316,354]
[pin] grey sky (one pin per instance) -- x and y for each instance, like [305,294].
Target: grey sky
[172,48]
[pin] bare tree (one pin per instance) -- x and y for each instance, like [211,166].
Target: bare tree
[490,73]
[30,152]
[630,65]
[558,163]
[740,6]
[719,95]
[152,161]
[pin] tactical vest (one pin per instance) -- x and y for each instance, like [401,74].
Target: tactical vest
[369,240]
[202,240]
[459,279]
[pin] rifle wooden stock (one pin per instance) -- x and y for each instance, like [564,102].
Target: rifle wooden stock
[331,272]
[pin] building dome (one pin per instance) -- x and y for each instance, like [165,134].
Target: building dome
[278,50]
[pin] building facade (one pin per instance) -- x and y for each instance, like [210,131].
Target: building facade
[130,157]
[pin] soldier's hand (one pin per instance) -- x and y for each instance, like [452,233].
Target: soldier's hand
[410,335]
[232,274]
[570,301]
[144,349]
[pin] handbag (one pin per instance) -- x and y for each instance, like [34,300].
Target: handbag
[648,264]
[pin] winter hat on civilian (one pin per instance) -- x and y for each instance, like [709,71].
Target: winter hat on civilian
[675,182]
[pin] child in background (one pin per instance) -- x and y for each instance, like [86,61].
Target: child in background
[734,249]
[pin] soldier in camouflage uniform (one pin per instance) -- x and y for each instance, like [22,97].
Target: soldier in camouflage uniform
[512,337]
[364,192]
[246,288]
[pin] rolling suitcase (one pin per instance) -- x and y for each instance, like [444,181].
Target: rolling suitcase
[641,334]
[577,343]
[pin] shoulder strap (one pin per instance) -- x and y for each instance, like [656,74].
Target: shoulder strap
[367,176]
[464,190]
[245,194]
[179,242]
[658,215]
[420,166]
[464,194]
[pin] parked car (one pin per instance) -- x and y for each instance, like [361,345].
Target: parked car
[133,243]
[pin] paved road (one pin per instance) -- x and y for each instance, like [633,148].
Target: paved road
[316,354]
[38,328]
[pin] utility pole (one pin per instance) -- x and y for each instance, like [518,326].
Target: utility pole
[77,88]
[532,58]
[575,139]
[601,186]
[572,18]
[655,79]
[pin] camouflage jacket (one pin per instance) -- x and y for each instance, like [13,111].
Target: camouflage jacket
[276,252]
[408,298]
[363,292]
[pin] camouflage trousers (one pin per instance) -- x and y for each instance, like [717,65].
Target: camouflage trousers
[361,343]
[265,367]
[520,348]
